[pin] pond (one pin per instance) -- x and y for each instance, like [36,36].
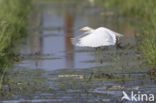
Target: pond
[51,69]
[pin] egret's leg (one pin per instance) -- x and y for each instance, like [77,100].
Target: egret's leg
[97,48]
[118,46]
[98,54]
[103,52]
[101,55]
[96,51]
[117,41]
[105,48]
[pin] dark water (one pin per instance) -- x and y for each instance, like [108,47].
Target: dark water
[89,76]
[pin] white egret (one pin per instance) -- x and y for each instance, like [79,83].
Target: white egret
[96,37]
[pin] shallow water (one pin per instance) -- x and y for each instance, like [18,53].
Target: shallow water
[90,76]
[57,24]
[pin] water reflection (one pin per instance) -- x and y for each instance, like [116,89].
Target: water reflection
[35,40]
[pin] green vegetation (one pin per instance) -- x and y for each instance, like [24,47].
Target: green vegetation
[13,23]
[13,15]
[144,11]
[23,82]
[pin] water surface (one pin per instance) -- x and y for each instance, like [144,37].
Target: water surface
[48,53]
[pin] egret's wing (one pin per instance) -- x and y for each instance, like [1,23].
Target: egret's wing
[77,39]
[115,33]
[100,37]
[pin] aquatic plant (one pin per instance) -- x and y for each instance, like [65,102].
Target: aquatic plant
[13,22]
[144,11]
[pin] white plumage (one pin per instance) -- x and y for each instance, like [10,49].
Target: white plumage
[96,38]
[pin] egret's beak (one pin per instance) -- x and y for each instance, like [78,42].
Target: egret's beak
[82,29]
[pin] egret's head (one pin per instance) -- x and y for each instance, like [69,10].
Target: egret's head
[86,28]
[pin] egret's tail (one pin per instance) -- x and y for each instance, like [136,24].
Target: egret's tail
[119,35]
